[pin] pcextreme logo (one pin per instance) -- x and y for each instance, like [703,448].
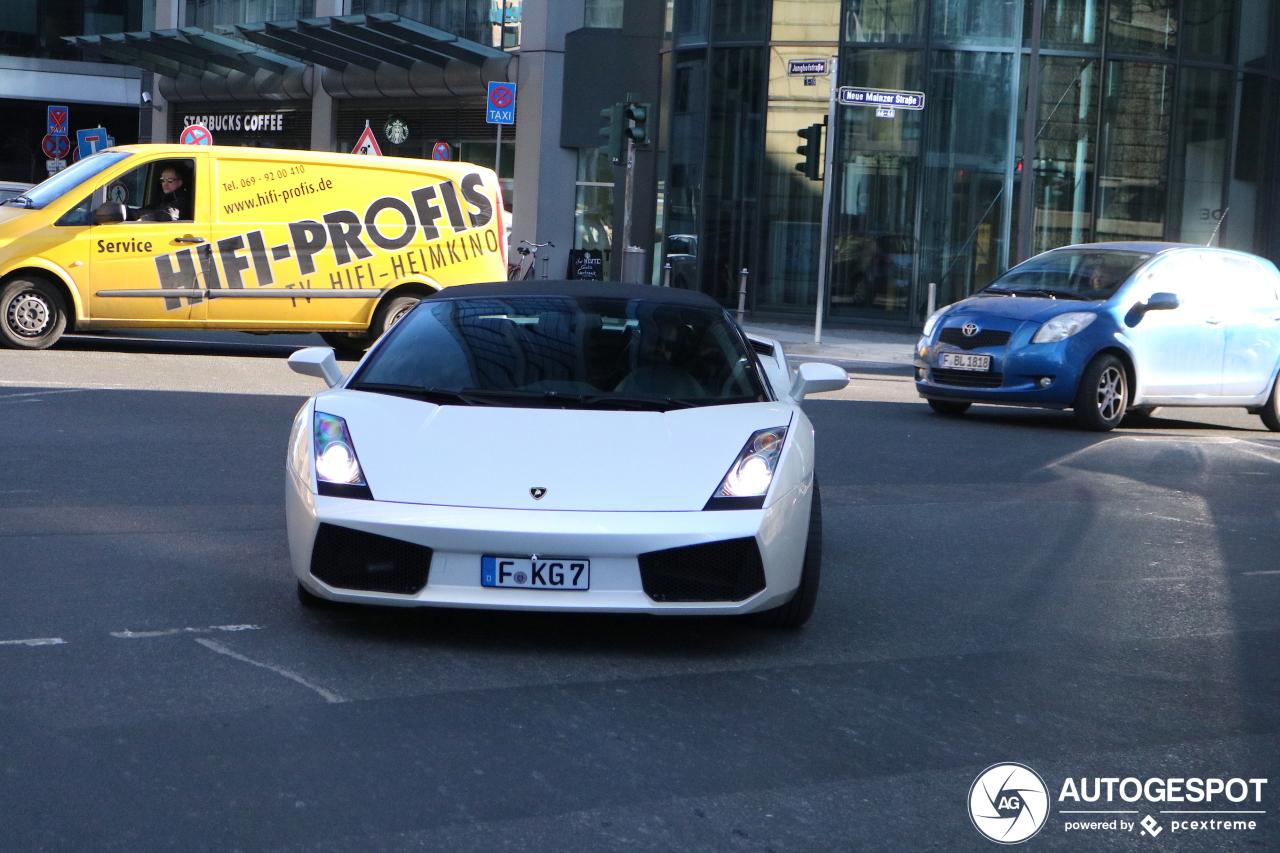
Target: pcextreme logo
[1009,803]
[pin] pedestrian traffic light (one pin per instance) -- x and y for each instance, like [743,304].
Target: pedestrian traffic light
[811,166]
[638,121]
[613,130]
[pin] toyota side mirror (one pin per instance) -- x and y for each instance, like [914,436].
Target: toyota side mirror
[815,377]
[110,211]
[1161,301]
[318,362]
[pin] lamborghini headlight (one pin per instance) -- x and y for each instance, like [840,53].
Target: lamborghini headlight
[750,475]
[335,454]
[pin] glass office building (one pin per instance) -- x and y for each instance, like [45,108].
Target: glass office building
[1046,122]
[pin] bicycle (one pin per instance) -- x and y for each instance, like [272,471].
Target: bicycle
[518,272]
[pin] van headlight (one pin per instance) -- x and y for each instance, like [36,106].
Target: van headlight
[338,471]
[1063,326]
[750,475]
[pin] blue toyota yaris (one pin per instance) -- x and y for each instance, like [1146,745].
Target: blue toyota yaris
[1107,329]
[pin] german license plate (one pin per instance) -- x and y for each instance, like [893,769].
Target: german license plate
[559,573]
[964,361]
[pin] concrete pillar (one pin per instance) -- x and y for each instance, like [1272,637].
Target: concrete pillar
[170,14]
[324,118]
[544,172]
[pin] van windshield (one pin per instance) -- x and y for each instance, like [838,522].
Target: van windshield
[68,179]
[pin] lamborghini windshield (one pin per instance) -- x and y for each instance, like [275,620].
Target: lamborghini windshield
[564,351]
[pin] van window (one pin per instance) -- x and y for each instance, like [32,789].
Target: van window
[68,179]
[160,191]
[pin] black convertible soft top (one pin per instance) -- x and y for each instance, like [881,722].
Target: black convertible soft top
[598,289]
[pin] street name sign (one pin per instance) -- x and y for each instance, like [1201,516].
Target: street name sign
[853,96]
[808,67]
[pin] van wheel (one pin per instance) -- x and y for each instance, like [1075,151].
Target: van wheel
[344,344]
[948,407]
[1103,394]
[390,312]
[32,314]
[797,611]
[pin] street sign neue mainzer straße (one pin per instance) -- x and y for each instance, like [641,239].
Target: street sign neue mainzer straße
[854,96]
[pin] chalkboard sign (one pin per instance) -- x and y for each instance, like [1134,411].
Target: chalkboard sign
[586,264]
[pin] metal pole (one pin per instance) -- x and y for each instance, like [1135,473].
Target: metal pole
[497,159]
[742,294]
[666,274]
[824,249]
[1026,190]
[933,299]
[626,199]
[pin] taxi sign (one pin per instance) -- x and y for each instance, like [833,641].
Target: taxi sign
[898,99]
[367,144]
[196,134]
[59,118]
[500,106]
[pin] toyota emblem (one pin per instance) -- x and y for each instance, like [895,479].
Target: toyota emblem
[970,329]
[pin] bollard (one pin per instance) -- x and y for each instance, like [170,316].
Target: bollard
[666,274]
[933,299]
[742,294]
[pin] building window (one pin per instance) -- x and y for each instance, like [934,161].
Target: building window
[208,14]
[593,211]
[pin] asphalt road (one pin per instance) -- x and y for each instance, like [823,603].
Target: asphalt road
[998,587]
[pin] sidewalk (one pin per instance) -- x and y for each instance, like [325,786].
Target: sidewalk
[856,350]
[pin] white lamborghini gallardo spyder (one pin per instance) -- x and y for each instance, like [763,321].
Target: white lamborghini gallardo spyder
[560,446]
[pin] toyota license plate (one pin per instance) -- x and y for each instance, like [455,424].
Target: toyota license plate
[558,573]
[964,361]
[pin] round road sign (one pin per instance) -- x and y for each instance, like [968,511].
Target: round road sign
[55,145]
[500,96]
[441,151]
[196,134]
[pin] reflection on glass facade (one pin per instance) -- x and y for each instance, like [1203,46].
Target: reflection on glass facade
[208,14]
[1141,120]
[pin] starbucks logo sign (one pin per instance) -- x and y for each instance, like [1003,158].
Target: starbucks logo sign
[396,129]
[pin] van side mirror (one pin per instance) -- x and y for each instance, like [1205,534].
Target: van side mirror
[814,377]
[318,362]
[110,211]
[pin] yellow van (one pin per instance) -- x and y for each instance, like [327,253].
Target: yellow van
[254,239]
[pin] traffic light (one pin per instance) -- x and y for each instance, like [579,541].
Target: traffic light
[811,166]
[613,131]
[638,119]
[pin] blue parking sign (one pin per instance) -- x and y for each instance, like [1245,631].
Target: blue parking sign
[501,104]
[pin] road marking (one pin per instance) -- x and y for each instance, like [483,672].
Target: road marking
[6,397]
[329,695]
[135,635]
[1270,572]
[39,641]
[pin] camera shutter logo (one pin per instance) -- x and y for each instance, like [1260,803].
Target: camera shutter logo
[970,329]
[1008,803]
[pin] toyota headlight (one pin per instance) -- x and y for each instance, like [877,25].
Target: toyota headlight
[1063,326]
[750,475]
[337,467]
[932,322]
